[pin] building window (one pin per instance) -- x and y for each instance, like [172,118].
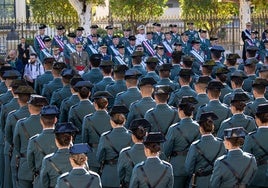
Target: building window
[7,8]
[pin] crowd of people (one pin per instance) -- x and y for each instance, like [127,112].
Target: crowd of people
[147,110]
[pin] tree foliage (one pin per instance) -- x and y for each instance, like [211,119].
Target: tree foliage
[134,12]
[213,14]
[53,12]
[260,5]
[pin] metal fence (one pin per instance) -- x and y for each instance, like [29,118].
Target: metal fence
[228,30]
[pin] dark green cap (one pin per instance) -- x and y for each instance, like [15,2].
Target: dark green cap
[24,90]
[38,100]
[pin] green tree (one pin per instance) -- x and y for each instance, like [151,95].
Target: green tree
[208,14]
[134,12]
[260,5]
[53,12]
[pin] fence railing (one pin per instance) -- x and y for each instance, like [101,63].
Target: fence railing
[228,30]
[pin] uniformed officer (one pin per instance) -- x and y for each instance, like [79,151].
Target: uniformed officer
[132,94]
[42,144]
[216,55]
[137,62]
[62,93]
[237,79]
[68,102]
[176,60]
[131,45]
[80,110]
[55,164]
[200,88]
[9,76]
[79,60]
[239,119]
[107,39]
[186,45]
[69,48]
[131,156]
[5,109]
[151,64]
[159,53]
[46,77]
[236,168]
[79,176]
[207,67]
[222,75]
[138,108]
[250,69]
[94,125]
[251,53]
[112,48]
[255,143]
[106,70]
[198,55]
[46,51]
[94,45]
[60,39]
[3,87]
[94,75]
[26,128]
[24,93]
[162,175]
[203,152]
[162,116]
[214,104]
[38,40]
[258,88]
[56,83]
[119,84]
[193,34]
[231,61]
[110,146]
[164,74]
[185,90]
[179,138]
[80,38]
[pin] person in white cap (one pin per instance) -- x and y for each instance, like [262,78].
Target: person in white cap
[141,36]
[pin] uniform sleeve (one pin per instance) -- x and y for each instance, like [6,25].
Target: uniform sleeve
[130,115]
[121,166]
[117,100]
[64,113]
[215,179]
[172,98]
[168,145]
[86,131]
[30,155]
[2,118]
[16,137]
[171,178]
[59,183]
[134,183]
[101,150]
[220,133]
[8,129]
[190,160]
[44,176]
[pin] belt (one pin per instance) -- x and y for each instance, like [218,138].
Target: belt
[203,173]
[262,162]
[181,153]
[111,162]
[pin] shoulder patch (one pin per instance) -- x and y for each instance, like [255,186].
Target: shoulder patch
[150,110]
[12,112]
[140,164]
[35,136]
[93,173]
[125,149]
[48,155]
[22,119]
[222,157]
[106,133]
[88,116]
[166,163]
[196,142]
[253,132]
[64,175]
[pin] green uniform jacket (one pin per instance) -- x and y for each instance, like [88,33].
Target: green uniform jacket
[237,120]
[60,94]
[228,97]
[93,126]
[160,169]
[94,75]
[117,138]
[77,114]
[153,75]
[247,84]
[79,178]
[24,130]
[222,176]
[177,95]
[167,81]
[115,88]
[179,138]
[39,146]
[3,87]
[49,174]
[6,97]
[254,143]
[41,81]
[139,108]
[66,105]
[127,97]
[51,87]
[211,148]
[162,117]
[100,86]
[221,110]
[251,108]
[128,158]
